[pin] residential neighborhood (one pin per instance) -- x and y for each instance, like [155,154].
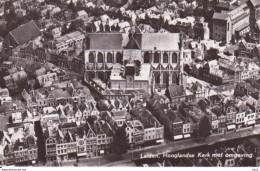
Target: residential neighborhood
[82,81]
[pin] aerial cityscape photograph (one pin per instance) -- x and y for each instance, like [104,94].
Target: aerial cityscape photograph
[129,83]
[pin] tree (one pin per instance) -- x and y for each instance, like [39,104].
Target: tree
[40,141]
[120,141]
[212,54]
[71,6]
[204,127]
[11,15]
[64,29]
[205,6]
[48,14]
[10,119]
[79,4]
[34,15]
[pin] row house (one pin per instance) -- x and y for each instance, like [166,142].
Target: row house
[34,54]
[50,144]
[240,117]
[25,152]
[76,142]
[245,115]
[246,49]
[54,97]
[170,119]
[177,94]
[210,74]
[4,96]
[104,133]
[255,105]
[134,127]
[193,114]
[135,133]
[199,91]
[222,119]
[153,129]
[14,80]
[66,146]
[47,79]
[250,70]
[91,141]
[214,75]
[71,60]
[222,114]
[229,108]
[67,42]
[176,125]
[9,155]
[81,146]
[244,88]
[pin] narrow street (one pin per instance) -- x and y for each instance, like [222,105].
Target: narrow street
[112,160]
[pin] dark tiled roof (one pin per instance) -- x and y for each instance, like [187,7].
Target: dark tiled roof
[176,90]
[105,41]
[216,110]
[69,125]
[18,144]
[25,33]
[145,117]
[255,141]
[132,44]
[173,116]
[130,70]
[254,2]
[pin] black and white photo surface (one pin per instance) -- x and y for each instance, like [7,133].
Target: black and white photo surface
[130,83]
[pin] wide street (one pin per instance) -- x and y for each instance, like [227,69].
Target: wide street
[112,160]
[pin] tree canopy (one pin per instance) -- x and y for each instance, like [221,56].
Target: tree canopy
[204,127]
[120,141]
[40,141]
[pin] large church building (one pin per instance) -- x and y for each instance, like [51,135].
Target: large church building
[119,53]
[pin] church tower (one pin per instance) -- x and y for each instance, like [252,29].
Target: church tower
[181,59]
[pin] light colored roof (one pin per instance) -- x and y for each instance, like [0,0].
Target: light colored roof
[220,16]
[160,41]
[82,13]
[258,24]
[59,93]
[48,109]
[68,37]
[40,71]
[19,74]
[90,4]
[104,18]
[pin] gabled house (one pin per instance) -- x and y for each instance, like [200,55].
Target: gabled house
[22,35]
